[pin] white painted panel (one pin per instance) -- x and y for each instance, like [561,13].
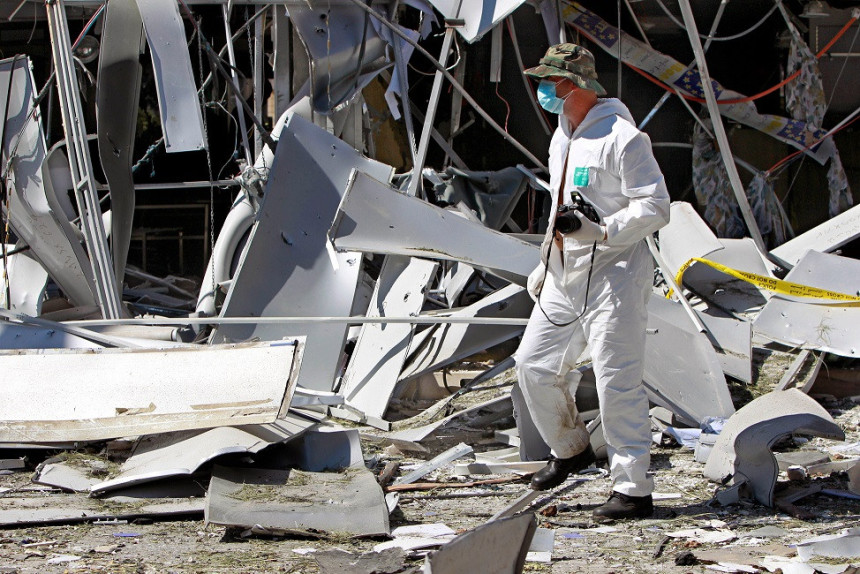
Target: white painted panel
[178,104]
[377,218]
[286,269]
[32,216]
[381,349]
[93,394]
[831,328]
[682,372]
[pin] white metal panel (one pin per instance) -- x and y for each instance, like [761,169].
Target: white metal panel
[730,337]
[181,454]
[381,349]
[178,104]
[48,233]
[27,282]
[335,38]
[375,217]
[685,236]
[831,328]
[682,372]
[445,344]
[830,235]
[94,394]
[116,113]
[480,17]
[285,269]
[16,336]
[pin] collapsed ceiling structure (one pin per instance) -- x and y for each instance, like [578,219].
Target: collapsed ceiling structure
[352,252]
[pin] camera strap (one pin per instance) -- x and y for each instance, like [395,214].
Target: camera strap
[587,286]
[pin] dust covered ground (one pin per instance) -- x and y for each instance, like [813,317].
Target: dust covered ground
[683,500]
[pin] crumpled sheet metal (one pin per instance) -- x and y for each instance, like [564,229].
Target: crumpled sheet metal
[803,322]
[335,37]
[375,217]
[742,450]
[682,370]
[498,546]
[178,105]
[285,266]
[36,214]
[271,501]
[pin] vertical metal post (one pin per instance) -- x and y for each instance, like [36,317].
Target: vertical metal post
[240,110]
[283,55]
[259,80]
[664,98]
[403,80]
[80,163]
[719,129]
[430,117]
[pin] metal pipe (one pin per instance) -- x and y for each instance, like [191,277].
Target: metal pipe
[240,110]
[457,86]
[719,129]
[299,320]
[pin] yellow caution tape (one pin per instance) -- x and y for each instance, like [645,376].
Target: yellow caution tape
[770,283]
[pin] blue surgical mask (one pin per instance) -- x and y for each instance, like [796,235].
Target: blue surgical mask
[547,99]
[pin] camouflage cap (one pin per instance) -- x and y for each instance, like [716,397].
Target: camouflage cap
[568,61]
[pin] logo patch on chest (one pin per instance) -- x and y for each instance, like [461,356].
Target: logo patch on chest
[580,176]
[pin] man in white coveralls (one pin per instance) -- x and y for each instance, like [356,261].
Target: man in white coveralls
[593,282]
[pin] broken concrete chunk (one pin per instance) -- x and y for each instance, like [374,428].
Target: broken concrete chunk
[742,453]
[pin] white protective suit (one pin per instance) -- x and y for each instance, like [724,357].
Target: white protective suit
[611,165]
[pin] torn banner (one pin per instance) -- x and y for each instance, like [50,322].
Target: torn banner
[674,73]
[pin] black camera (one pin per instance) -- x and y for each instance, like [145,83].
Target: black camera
[566,221]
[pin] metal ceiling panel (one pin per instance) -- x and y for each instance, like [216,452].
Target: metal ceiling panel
[480,17]
[831,328]
[381,349]
[742,450]
[682,372]
[33,218]
[344,50]
[95,394]
[829,236]
[179,107]
[286,269]
[375,217]
[441,345]
[116,113]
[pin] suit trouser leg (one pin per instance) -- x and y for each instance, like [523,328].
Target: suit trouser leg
[545,361]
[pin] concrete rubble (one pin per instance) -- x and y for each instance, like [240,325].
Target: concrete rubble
[264,268]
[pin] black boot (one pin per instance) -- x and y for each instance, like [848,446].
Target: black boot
[556,471]
[620,506]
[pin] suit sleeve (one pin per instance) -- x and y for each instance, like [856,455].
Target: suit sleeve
[643,184]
